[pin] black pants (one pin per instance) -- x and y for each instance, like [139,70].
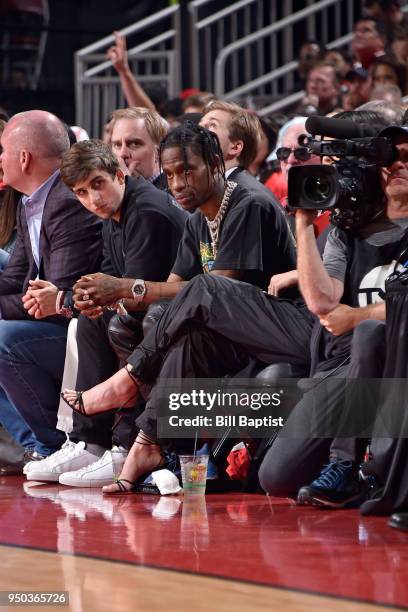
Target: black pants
[366,370]
[296,460]
[390,454]
[97,361]
[214,327]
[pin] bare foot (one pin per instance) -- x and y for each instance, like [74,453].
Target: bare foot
[142,459]
[120,390]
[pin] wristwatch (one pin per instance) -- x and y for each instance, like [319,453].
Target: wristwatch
[138,289]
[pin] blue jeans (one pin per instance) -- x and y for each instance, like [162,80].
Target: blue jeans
[32,355]
[17,427]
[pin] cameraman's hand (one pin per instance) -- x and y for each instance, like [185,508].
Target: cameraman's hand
[340,320]
[304,218]
[279,282]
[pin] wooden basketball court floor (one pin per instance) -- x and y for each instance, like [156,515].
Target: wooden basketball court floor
[218,552]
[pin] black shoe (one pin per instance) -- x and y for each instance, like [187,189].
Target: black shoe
[338,486]
[374,503]
[15,469]
[399,520]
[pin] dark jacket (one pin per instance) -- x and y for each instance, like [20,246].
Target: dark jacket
[70,246]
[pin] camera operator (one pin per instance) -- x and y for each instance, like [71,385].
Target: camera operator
[386,470]
[342,290]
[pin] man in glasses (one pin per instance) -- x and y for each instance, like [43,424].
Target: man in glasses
[291,153]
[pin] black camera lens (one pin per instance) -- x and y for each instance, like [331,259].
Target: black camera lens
[317,188]
[313,187]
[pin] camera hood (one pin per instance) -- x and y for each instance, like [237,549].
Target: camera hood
[394,132]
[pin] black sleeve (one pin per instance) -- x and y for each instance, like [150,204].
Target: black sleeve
[240,246]
[146,246]
[107,265]
[188,264]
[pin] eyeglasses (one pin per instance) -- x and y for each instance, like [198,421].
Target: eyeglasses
[300,153]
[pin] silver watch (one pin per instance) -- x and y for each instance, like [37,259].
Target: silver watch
[138,290]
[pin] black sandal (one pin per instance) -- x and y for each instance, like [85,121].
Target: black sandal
[122,488]
[79,401]
[148,441]
[78,405]
[145,441]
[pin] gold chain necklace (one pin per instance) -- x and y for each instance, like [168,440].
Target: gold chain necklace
[214,225]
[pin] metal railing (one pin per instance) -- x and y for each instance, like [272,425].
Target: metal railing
[242,49]
[210,32]
[334,19]
[279,80]
[155,59]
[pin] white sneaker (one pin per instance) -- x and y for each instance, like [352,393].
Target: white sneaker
[29,464]
[71,456]
[98,474]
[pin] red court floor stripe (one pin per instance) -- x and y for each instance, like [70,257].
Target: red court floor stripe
[243,537]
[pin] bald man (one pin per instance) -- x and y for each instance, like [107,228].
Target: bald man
[57,240]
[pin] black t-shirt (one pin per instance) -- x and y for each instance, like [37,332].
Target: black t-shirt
[254,238]
[144,243]
[362,262]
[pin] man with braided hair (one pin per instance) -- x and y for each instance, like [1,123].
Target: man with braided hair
[228,233]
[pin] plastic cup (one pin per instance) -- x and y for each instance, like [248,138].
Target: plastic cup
[118,460]
[194,473]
